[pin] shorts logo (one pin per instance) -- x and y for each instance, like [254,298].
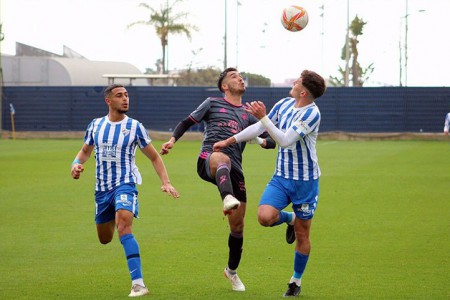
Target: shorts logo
[123,200]
[306,211]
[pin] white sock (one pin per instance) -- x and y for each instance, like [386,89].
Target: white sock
[298,281]
[138,281]
[293,219]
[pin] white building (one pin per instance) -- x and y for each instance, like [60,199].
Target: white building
[36,67]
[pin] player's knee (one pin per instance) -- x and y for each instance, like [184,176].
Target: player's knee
[264,220]
[302,239]
[237,226]
[220,158]
[105,239]
[123,228]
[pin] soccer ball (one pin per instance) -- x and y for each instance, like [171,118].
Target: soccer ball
[294,18]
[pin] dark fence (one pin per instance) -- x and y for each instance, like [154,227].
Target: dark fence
[391,109]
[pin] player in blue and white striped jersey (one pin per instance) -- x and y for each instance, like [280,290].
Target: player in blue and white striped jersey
[447,123]
[114,138]
[293,123]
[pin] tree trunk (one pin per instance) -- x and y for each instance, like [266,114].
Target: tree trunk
[355,65]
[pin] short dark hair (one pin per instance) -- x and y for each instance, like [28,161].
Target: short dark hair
[108,90]
[314,83]
[222,76]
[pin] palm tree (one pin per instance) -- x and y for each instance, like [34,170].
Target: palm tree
[165,22]
[359,75]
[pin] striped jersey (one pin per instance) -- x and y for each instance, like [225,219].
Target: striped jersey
[115,148]
[223,120]
[447,122]
[297,161]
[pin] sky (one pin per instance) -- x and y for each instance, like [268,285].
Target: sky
[256,41]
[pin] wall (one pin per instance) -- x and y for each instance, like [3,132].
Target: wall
[396,109]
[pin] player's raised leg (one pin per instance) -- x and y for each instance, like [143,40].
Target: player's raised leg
[235,245]
[271,205]
[220,167]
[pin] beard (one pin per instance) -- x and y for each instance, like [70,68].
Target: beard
[122,111]
[238,92]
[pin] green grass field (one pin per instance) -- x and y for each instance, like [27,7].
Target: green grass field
[381,231]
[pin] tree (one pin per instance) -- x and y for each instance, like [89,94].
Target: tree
[200,77]
[208,77]
[359,75]
[165,23]
[256,79]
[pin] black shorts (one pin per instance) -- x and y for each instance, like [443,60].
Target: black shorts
[236,176]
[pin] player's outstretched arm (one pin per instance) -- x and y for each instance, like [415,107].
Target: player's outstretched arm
[284,139]
[177,133]
[167,146]
[77,164]
[160,169]
[223,144]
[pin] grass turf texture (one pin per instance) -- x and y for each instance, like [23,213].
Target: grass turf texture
[381,230]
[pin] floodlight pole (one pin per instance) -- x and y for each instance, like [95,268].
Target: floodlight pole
[237,31]
[406,42]
[225,63]
[407,14]
[400,56]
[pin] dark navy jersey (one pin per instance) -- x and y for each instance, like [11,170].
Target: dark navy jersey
[223,120]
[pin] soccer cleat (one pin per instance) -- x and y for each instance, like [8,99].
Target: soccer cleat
[138,290]
[290,232]
[229,204]
[293,290]
[236,283]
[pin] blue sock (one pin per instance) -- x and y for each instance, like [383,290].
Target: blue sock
[131,248]
[285,217]
[300,261]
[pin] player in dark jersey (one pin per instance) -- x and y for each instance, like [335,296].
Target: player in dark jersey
[224,117]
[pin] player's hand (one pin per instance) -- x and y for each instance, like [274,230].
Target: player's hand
[170,190]
[256,108]
[77,169]
[166,147]
[219,146]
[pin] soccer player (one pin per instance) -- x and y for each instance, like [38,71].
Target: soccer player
[115,138]
[293,123]
[224,117]
[446,123]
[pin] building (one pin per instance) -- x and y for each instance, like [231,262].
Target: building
[36,67]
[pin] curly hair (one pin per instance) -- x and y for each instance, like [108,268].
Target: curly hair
[314,83]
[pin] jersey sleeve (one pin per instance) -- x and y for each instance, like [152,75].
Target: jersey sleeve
[143,139]
[275,111]
[89,135]
[199,113]
[249,133]
[447,122]
[307,122]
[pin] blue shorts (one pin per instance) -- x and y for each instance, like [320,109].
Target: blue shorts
[121,197]
[303,195]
